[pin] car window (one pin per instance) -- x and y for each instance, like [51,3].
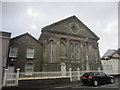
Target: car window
[102,74]
[97,74]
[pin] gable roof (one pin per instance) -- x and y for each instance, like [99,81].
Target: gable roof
[60,27]
[110,53]
[26,34]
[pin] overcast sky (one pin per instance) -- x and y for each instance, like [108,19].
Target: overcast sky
[100,17]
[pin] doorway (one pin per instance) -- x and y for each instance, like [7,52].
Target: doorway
[63,69]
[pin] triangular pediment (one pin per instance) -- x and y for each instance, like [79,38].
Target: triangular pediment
[71,26]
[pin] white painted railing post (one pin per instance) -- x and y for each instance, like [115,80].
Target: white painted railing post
[70,73]
[5,77]
[78,69]
[99,70]
[17,76]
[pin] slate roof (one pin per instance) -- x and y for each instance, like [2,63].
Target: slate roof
[63,28]
[110,53]
[25,35]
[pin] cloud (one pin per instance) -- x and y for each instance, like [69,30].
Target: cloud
[101,18]
[109,37]
[112,27]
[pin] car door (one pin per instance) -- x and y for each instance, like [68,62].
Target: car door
[103,77]
[98,77]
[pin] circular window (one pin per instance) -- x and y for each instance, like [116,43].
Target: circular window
[74,27]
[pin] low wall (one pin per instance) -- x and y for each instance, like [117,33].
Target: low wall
[43,82]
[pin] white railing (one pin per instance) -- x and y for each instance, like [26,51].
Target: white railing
[12,79]
[40,75]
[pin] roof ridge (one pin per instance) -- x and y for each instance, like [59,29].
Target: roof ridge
[49,27]
[24,35]
[62,20]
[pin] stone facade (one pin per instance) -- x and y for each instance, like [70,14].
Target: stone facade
[23,42]
[62,45]
[69,44]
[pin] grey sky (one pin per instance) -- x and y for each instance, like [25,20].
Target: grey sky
[100,17]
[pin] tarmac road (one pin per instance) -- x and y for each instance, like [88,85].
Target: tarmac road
[77,86]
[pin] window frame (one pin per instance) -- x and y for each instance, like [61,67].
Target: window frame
[16,52]
[62,48]
[72,50]
[32,53]
[27,70]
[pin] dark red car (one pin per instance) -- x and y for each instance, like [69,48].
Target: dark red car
[96,78]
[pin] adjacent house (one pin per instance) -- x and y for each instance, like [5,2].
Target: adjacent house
[62,45]
[110,61]
[4,46]
[25,52]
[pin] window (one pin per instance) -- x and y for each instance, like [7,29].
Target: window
[109,67]
[95,57]
[77,52]
[86,44]
[72,51]
[51,51]
[62,48]
[29,67]
[13,52]
[30,53]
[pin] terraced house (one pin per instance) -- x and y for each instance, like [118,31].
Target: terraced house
[65,44]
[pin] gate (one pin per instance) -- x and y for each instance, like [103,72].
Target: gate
[74,75]
[10,79]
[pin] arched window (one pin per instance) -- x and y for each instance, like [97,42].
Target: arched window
[96,56]
[95,53]
[62,48]
[72,51]
[77,53]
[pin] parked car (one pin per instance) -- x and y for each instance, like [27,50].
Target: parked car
[96,78]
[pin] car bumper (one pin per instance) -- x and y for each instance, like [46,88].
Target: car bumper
[87,81]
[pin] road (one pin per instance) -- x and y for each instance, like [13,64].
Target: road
[80,86]
[115,85]
[77,86]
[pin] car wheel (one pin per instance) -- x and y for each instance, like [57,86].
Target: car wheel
[111,81]
[95,83]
